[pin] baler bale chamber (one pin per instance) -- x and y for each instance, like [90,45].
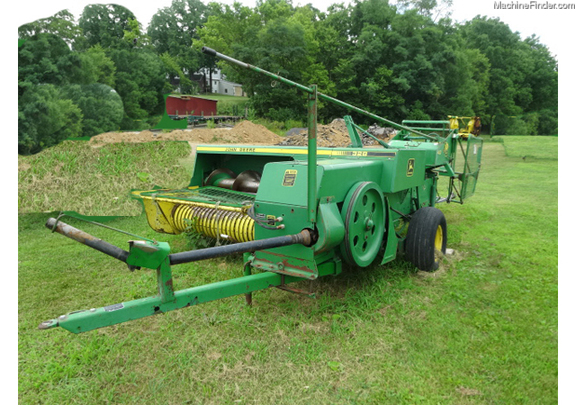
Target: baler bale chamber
[298,213]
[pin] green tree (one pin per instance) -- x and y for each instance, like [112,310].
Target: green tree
[467,82]
[140,79]
[283,53]
[172,32]
[45,58]
[276,37]
[230,30]
[97,67]
[45,118]
[61,25]
[500,45]
[110,25]
[174,70]
[435,9]
[542,79]
[101,107]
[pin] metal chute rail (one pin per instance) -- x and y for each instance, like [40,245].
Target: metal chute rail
[298,213]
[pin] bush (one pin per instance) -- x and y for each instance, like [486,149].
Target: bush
[101,107]
[46,118]
[548,122]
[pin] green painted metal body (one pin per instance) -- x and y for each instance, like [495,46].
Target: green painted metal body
[355,201]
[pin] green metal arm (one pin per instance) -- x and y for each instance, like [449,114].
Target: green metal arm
[84,321]
[353,131]
[156,255]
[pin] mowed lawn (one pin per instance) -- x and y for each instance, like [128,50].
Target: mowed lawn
[481,330]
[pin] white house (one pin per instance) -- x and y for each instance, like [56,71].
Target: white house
[220,85]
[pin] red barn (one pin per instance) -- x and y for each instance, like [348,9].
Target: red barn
[188,105]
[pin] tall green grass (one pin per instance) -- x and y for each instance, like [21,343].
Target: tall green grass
[481,330]
[76,176]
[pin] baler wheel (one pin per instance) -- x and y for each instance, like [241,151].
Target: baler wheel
[426,238]
[363,215]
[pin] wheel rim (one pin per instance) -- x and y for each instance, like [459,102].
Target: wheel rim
[364,222]
[439,239]
[438,245]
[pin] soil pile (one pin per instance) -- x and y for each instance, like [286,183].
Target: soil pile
[335,135]
[243,132]
[332,135]
[384,133]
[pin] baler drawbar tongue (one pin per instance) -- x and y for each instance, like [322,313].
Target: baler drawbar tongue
[156,255]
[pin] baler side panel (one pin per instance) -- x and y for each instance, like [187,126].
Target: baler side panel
[405,171]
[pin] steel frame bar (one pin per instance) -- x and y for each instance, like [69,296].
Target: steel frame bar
[83,321]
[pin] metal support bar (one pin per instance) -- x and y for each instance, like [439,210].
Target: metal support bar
[284,287]
[83,321]
[156,255]
[248,272]
[312,149]
[304,238]
[381,142]
[164,281]
[87,239]
[354,137]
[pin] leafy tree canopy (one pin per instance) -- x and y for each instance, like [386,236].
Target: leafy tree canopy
[109,25]
[45,118]
[101,107]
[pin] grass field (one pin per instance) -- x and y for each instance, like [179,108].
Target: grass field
[97,181]
[481,330]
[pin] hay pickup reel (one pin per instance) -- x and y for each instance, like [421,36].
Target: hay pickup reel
[296,213]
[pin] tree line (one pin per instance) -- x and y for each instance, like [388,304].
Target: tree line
[403,61]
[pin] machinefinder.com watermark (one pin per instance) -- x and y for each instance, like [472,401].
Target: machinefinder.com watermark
[532,5]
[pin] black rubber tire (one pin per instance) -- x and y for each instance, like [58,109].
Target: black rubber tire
[421,240]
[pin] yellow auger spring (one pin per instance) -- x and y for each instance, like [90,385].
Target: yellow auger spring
[215,222]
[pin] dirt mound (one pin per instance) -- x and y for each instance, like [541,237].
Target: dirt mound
[336,135]
[243,132]
[384,133]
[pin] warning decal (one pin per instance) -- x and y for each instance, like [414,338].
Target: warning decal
[289,178]
[410,169]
